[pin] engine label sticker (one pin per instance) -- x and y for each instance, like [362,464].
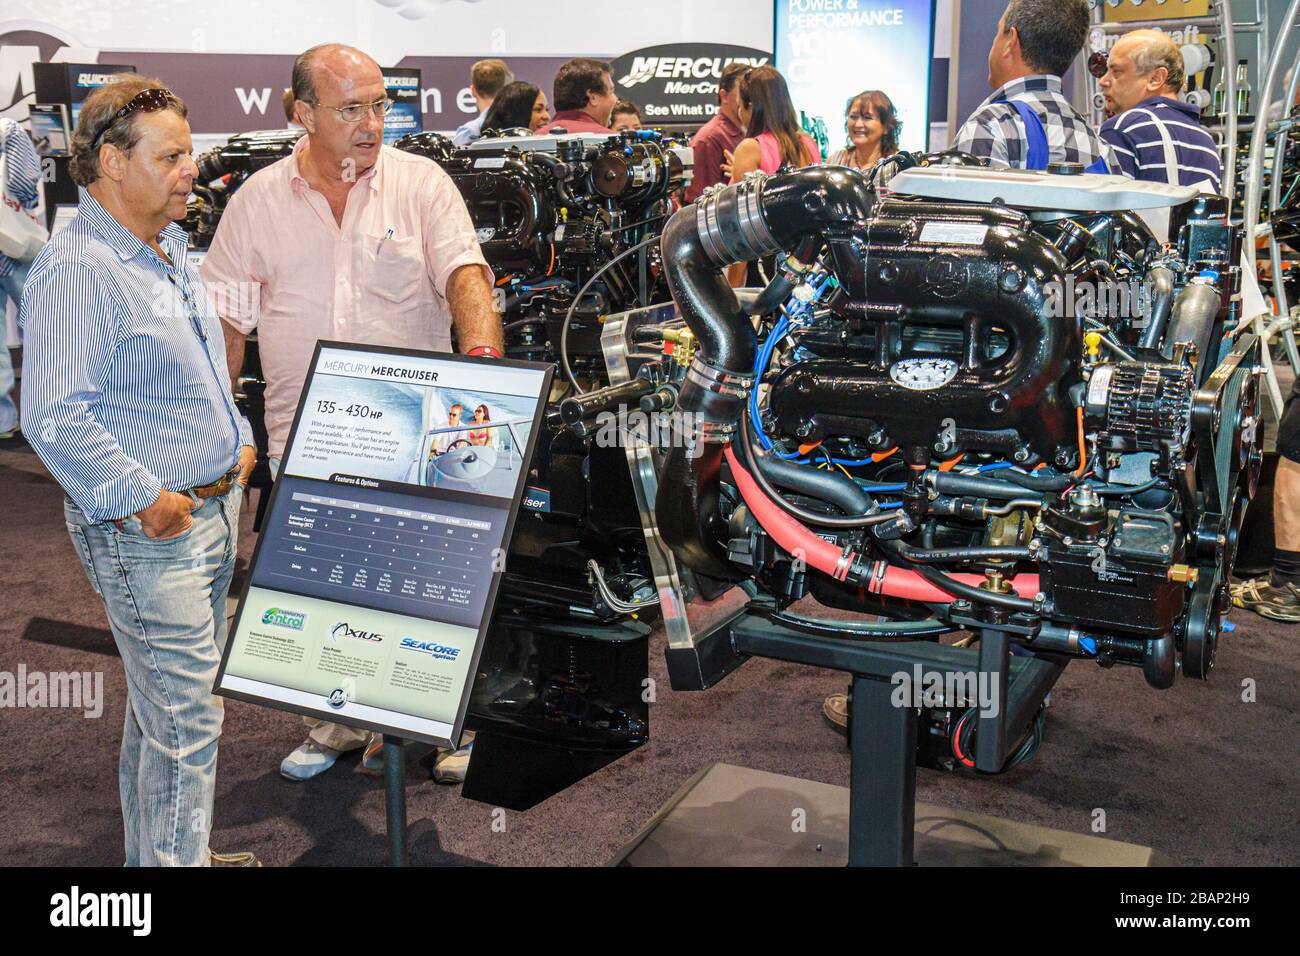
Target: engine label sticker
[954,233]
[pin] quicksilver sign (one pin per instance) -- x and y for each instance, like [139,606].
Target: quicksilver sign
[678,82]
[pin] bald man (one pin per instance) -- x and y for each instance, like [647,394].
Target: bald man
[1155,135]
[350,240]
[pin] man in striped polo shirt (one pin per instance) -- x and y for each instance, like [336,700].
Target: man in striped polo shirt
[126,400]
[1155,135]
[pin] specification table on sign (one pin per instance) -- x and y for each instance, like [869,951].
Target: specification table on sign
[402,558]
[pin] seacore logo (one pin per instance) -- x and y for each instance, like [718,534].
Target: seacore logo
[279,617]
[679,81]
[439,651]
[343,629]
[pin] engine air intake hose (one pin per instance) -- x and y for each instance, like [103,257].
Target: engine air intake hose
[757,217]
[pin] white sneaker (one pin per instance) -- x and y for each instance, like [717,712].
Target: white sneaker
[453,767]
[372,761]
[309,760]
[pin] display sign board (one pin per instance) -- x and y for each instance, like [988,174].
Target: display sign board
[71,83]
[376,571]
[51,131]
[403,87]
[678,82]
[830,50]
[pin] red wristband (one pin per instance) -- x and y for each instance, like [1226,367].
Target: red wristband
[484,350]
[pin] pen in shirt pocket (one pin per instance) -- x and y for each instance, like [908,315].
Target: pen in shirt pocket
[388,235]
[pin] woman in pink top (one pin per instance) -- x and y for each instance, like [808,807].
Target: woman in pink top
[775,138]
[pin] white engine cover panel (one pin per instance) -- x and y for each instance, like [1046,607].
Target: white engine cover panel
[1032,189]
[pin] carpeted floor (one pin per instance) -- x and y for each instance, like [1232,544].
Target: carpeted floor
[1196,772]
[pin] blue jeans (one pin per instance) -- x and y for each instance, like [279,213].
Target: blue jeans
[11,287]
[166,605]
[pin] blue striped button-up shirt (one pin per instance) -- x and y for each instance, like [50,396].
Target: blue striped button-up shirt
[125,387]
[22,173]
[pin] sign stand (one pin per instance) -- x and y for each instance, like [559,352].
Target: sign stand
[395,799]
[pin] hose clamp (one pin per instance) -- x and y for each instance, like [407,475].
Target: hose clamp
[877,583]
[710,232]
[714,433]
[735,385]
[749,214]
[842,566]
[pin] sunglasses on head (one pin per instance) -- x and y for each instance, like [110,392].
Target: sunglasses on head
[146,101]
[1097,64]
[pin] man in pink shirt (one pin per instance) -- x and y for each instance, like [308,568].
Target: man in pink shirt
[350,240]
[719,137]
[583,96]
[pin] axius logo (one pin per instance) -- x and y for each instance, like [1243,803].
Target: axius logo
[279,617]
[75,908]
[343,629]
[438,651]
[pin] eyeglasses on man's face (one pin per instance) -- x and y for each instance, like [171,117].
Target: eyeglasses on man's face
[356,112]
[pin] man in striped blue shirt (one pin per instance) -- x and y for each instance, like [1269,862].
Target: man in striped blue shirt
[22,173]
[126,400]
[1155,135]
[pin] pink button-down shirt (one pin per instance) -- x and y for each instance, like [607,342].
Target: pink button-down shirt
[280,264]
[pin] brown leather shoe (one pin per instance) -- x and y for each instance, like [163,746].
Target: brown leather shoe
[232,859]
[836,709]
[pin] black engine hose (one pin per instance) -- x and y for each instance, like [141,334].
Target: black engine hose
[862,630]
[1046,484]
[828,486]
[1162,302]
[779,289]
[985,486]
[560,171]
[1010,602]
[978,553]
[753,463]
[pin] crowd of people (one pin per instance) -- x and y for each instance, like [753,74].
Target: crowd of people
[132,412]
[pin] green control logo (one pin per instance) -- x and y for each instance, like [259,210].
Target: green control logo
[293,620]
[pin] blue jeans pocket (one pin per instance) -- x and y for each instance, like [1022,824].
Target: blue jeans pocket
[78,535]
[132,530]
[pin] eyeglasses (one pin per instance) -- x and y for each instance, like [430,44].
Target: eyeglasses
[147,101]
[1097,64]
[358,111]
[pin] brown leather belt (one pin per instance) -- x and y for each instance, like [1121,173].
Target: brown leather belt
[219,487]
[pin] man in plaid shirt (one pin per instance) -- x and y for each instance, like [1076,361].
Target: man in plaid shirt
[1036,42]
